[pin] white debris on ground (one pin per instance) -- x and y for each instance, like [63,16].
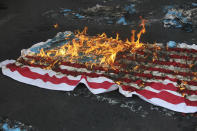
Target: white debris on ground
[173,16]
[177,17]
[100,13]
[131,105]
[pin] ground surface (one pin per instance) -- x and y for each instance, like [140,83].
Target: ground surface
[22,25]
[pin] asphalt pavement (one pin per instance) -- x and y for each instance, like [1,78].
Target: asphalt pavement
[23,24]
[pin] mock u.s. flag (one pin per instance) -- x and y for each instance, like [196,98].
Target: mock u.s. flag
[158,74]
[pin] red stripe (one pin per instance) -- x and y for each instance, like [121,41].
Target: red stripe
[177,56]
[64,71]
[163,95]
[145,75]
[168,63]
[169,71]
[94,85]
[155,85]
[104,85]
[100,68]
[149,76]
[24,62]
[49,60]
[75,73]
[26,72]
[176,64]
[77,65]
[125,80]
[159,86]
[183,57]
[182,50]
[39,58]
[167,87]
[171,87]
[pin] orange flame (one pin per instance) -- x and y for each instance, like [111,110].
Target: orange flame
[101,48]
[56,26]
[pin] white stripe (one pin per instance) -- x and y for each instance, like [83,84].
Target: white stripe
[87,71]
[153,80]
[102,79]
[63,86]
[155,73]
[6,62]
[182,107]
[70,68]
[80,69]
[192,97]
[38,82]
[149,88]
[181,45]
[181,61]
[169,82]
[99,79]
[158,73]
[189,87]
[184,45]
[51,73]
[100,90]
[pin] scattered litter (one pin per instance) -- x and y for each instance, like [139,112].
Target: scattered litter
[176,18]
[168,7]
[184,17]
[60,38]
[100,14]
[66,10]
[79,16]
[171,44]
[194,4]
[131,106]
[8,125]
[108,100]
[105,14]
[130,9]
[122,21]
[97,8]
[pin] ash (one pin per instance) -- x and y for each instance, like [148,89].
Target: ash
[131,104]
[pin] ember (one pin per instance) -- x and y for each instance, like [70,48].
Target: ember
[56,25]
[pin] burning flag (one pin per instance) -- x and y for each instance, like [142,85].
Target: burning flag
[158,74]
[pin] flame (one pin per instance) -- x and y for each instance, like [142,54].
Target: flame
[100,48]
[183,85]
[56,26]
[137,44]
[136,68]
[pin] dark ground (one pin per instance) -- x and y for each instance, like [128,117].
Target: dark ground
[21,25]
